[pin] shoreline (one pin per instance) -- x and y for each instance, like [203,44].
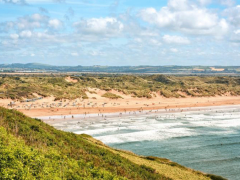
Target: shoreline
[117,110]
[108,116]
[106,106]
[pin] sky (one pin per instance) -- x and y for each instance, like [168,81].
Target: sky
[120,32]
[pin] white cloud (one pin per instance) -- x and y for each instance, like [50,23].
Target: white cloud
[237,31]
[234,37]
[175,39]
[138,40]
[233,15]
[204,2]
[179,5]
[96,53]
[196,19]
[174,50]
[27,24]
[14,36]
[155,42]
[190,19]
[163,18]
[74,54]
[18,2]
[26,34]
[55,23]
[37,17]
[99,26]
[31,22]
[222,28]
[186,17]
[227,2]
[6,26]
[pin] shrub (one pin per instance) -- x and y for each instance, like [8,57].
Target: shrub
[111,96]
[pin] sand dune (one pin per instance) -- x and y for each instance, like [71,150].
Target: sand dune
[69,79]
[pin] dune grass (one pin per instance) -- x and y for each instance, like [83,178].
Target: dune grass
[111,96]
[18,87]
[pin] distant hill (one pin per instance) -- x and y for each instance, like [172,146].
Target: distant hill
[31,149]
[120,69]
[28,65]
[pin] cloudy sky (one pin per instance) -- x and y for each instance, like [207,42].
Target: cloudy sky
[120,32]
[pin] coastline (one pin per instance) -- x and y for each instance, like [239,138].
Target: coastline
[222,101]
[92,118]
[127,104]
[113,129]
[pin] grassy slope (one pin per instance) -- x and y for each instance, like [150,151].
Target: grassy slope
[31,149]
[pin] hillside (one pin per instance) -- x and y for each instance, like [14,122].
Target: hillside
[31,149]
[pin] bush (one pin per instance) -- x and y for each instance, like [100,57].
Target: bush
[111,96]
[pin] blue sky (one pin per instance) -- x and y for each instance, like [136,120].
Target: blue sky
[120,32]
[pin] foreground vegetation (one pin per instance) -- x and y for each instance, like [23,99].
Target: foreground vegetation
[31,149]
[18,87]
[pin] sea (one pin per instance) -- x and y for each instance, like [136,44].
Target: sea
[205,139]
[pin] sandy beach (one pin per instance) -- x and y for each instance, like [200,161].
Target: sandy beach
[96,104]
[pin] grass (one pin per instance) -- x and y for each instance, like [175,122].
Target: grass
[111,96]
[31,149]
[19,87]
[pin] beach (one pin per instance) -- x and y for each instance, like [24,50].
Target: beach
[96,104]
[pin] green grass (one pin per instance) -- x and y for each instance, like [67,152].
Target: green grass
[31,149]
